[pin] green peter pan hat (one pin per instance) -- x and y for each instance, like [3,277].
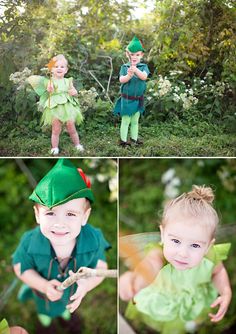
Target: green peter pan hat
[61,184]
[135,45]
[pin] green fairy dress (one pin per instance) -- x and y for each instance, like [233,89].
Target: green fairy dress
[178,296]
[59,104]
[132,92]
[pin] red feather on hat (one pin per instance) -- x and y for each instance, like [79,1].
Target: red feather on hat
[85,178]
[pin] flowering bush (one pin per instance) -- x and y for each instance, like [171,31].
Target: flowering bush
[19,78]
[193,97]
[87,98]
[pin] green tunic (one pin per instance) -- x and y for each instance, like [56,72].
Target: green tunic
[134,88]
[178,296]
[59,104]
[35,252]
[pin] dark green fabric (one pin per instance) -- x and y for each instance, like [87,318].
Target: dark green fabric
[35,252]
[134,87]
[60,185]
[135,45]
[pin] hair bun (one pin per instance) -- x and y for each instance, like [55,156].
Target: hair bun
[201,193]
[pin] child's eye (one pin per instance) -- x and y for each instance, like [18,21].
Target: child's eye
[49,213]
[70,214]
[176,241]
[195,246]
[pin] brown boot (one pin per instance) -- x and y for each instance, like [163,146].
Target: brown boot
[124,143]
[136,142]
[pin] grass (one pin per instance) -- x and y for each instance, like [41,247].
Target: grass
[160,140]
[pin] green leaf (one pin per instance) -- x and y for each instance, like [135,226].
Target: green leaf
[4,328]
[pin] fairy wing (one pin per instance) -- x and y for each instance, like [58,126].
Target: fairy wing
[132,247]
[225,232]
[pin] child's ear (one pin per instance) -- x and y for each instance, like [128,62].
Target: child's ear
[36,213]
[86,216]
[210,245]
[162,233]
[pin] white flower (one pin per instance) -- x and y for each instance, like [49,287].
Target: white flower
[168,175]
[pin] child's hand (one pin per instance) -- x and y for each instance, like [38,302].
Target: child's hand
[51,292]
[130,72]
[126,286]
[50,87]
[72,91]
[223,302]
[77,297]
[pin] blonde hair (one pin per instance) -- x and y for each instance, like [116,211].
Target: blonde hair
[197,203]
[61,57]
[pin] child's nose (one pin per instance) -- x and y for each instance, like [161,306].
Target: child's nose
[59,223]
[183,252]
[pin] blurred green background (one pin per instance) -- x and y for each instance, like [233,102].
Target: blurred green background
[145,185]
[98,311]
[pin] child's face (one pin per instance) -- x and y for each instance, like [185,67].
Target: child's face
[60,69]
[62,224]
[135,57]
[185,242]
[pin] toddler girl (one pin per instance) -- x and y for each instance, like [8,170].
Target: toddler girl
[130,104]
[186,273]
[58,102]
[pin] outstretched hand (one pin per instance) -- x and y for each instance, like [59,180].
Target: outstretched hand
[77,297]
[223,302]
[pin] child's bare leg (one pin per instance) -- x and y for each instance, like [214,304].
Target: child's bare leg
[70,125]
[56,130]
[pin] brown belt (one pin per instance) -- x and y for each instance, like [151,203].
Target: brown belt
[137,98]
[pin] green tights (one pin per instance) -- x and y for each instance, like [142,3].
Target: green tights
[125,122]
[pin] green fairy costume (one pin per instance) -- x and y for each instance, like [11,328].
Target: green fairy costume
[178,296]
[59,104]
[62,184]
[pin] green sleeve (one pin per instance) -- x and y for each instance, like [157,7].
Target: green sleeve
[218,253]
[21,254]
[123,70]
[103,245]
[146,69]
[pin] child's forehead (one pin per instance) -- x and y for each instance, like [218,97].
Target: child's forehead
[135,53]
[76,203]
[188,229]
[61,62]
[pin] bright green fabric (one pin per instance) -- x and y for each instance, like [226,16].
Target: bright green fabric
[134,87]
[35,252]
[59,104]
[178,296]
[60,185]
[124,128]
[135,45]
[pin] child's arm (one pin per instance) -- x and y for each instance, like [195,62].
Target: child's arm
[50,87]
[145,272]
[221,281]
[142,75]
[72,91]
[37,282]
[127,77]
[84,286]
